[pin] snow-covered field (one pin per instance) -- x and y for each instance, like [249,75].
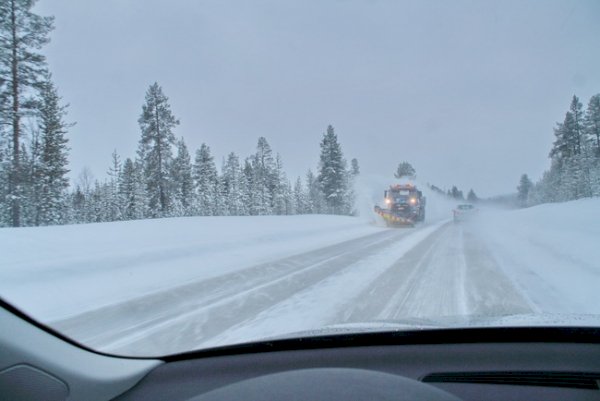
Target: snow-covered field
[162,286]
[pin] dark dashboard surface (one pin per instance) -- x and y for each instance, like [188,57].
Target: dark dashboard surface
[468,364]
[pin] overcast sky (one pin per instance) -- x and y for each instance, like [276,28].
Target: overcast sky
[467,91]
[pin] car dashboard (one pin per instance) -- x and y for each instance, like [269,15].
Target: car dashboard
[513,363]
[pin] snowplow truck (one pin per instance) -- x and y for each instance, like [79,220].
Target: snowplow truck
[404,206]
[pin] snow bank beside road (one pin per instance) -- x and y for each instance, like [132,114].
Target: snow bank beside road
[551,252]
[54,272]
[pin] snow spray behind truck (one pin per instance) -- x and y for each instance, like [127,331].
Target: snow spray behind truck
[404,206]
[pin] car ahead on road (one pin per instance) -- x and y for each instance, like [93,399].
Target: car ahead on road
[386,362]
[463,212]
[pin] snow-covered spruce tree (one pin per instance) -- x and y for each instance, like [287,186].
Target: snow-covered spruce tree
[248,183]
[592,134]
[456,193]
[592,123]
[206,181]
[300,198]
[53,156]
[288,195]
[98,203]
[22,69]
[316,199]
[353,174]
[219,208]
[264,179]
[472,197]
[405,170]
[333,176]
[233,186]
[577,129]
[181,181]
[132,191]
[523,190]
[280,194]
[572,165]
[114,201]
[157,123]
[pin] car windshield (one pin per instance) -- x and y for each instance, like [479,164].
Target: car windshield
[180,175]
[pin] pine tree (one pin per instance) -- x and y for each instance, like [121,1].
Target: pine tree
[83,196]
[472,197]
[288,197]
[456,193]
[332,177]
[54,155]
[280,193]
[114,201]
[219,206]
[300,198]
[523,190]
[77,202]
[592,123]
[248,181]
[264,179]
[22,69]
[206,180]
[568,134]
[181,180]
[233,186]
[352,176]
[157,123]
[131,189]
[316,199]
[577,128]
[405,169]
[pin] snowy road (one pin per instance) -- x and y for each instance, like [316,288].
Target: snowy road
[442,269]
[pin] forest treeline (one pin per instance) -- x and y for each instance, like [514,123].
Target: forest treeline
[574,171]
[164,179]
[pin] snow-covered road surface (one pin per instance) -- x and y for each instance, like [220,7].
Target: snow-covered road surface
[433,270]
[157,287]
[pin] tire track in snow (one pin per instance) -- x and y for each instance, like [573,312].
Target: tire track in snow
[451,274]
[319,305]
[395,286]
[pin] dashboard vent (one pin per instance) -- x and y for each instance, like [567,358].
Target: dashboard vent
[588,381]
